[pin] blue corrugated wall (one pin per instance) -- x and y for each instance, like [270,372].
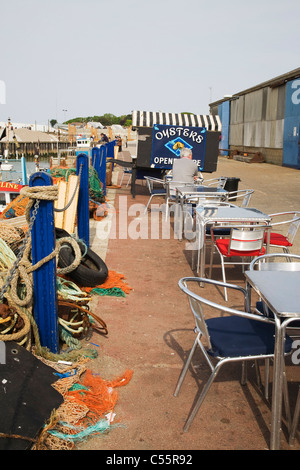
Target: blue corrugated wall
[224,114]
[291,138]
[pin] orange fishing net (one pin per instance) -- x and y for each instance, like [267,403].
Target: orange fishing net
[15,208]
[114,280]
[98,395]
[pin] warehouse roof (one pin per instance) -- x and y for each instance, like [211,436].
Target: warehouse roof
[28,136]
[274,82]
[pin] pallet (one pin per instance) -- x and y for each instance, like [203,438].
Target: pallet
[67,219]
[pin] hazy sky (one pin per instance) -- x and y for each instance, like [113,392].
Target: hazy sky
[113,56]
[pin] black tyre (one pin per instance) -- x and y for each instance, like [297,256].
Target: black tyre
[92,270]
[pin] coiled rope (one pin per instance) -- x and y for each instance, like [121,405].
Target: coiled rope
[22,269]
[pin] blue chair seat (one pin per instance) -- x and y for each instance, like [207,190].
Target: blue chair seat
[158,191]
[234,336]
[219,231]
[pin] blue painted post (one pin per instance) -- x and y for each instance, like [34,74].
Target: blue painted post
[83,224]
[103,156]
[96,160]
[111,150]
[44,278]
[24,172]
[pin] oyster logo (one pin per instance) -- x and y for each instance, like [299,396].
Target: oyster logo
[2,92]
[176,145]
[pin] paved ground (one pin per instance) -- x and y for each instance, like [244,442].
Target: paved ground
[151,331]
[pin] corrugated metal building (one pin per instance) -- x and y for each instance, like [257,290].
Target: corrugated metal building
[264,118]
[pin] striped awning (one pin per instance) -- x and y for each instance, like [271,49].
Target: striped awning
[148,119]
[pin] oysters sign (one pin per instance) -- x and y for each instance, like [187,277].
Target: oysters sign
[167,141]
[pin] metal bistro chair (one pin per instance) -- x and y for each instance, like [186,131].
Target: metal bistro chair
[295,420]
[274,262]
[161,191]
[243,195]
[218,182]
[278,240]
[239,337]
[171,193]
[244,243]
[126,171]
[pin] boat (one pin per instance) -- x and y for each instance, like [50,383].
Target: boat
[82,141]
[6,166]
[8,192]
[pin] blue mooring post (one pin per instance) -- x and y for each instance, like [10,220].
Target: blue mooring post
[96,160]
[44,278]
[83,224]
[111,150]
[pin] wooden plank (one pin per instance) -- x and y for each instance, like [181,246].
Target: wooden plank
[15,221]
[71,212]
[60,203]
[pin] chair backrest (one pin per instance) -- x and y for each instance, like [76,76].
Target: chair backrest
[293,228]
[218,182]
[150,180]
[275,262]
[198,303]
[172,185]
[290,218]
[245,194]
[196,307]
[247,238]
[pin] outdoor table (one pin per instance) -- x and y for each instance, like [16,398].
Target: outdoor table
[280,291]
[197,194]
[212,215]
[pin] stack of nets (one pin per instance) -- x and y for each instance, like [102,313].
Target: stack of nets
[87,410]
[15,208]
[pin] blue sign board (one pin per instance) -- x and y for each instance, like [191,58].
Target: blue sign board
[167,141]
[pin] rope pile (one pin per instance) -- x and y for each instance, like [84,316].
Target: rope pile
[88,407]
[19,299]
[12,235]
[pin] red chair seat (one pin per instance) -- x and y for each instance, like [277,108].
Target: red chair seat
[223,245]
[278,239]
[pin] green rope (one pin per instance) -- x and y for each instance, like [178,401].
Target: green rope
[70,341]
[69,290]
[78,386]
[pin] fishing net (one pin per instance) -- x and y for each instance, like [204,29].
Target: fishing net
[15,208]
[95,185]
[88,410]
[114,285]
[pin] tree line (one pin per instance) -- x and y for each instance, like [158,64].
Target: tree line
[106,120]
